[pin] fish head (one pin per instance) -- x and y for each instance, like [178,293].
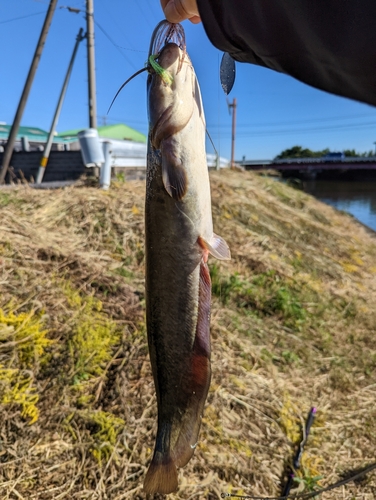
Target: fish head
[171,93]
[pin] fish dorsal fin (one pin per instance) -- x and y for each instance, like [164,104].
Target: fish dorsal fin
[173,174]
[217,247]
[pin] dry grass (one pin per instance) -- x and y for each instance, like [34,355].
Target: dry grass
[293,326]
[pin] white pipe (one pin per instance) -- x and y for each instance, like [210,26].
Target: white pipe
[105,175]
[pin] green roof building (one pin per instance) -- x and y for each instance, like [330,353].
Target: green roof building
[119,131]
[32,134]
[33,139]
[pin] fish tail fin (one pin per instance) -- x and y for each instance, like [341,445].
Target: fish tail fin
[162,476]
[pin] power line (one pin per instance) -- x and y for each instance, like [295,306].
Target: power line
[115,119]
[299,131]
[115,45]
[291,122]
[359,126]
[143,13]
[23,17]
[151,6]
[129,42]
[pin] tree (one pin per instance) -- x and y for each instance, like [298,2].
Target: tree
[299,152]
[354,154]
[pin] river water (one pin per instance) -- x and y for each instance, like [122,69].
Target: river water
[355,197]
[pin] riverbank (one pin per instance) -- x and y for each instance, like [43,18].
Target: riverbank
[293,324]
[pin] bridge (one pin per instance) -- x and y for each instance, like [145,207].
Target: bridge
[352,163]
[315,167]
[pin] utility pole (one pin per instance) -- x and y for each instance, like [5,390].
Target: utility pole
[91,63]
[233,106]
[46,154]
[25,93]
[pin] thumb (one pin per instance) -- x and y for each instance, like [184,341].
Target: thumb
[179,10]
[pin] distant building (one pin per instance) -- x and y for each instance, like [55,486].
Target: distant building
[120,131]
[32,139]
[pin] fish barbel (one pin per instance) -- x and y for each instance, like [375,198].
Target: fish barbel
[179,237]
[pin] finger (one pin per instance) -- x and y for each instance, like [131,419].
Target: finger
[176,11]
[195,19]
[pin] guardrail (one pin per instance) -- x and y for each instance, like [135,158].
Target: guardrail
[111,153]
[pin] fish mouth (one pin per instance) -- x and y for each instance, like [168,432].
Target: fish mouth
[167,51]
[165,33]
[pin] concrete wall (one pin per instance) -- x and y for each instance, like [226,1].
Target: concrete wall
[62,165]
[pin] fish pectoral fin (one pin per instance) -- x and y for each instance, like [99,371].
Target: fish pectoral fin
[173,174]
[217,247]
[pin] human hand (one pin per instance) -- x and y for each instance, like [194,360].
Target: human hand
[179,10]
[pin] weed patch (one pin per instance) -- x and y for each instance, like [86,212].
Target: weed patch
[23,343]
[93,335]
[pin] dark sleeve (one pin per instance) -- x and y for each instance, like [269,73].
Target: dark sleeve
[328,44]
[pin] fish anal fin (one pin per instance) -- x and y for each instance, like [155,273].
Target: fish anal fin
[189,425]
[201,346]
[216,246]
[198,381]
[162,476]
[173,174]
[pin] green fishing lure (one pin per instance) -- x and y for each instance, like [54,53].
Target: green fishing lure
[163,73]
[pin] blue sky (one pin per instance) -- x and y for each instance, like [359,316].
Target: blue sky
[274,111]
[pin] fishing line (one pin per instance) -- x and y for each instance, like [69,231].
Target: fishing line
[333,486]
[190,220]
[211,140]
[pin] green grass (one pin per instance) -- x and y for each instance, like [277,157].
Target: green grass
[266,294]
